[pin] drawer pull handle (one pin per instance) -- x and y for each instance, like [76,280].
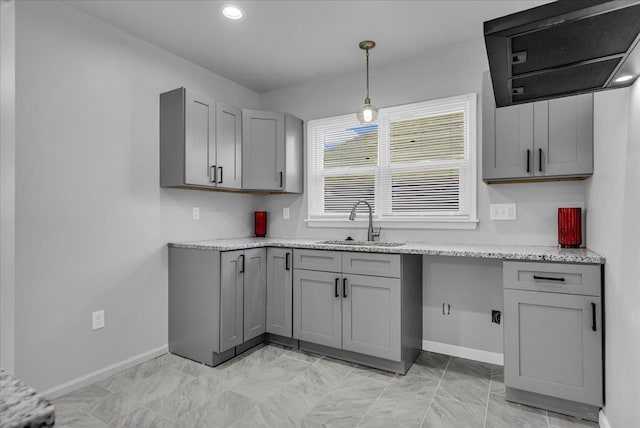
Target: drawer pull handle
[344,287]
[548,278]
[593,316]
[336,288]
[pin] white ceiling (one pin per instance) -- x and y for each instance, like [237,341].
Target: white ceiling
[282,43]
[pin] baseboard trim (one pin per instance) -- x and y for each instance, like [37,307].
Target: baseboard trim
[602,420]
[463,352]
[103,373]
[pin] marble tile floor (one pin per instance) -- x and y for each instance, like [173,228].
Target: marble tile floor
[273,386]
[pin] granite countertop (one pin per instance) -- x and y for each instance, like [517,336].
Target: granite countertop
[504,252]
[21,406]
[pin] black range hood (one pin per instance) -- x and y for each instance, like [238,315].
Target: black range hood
[563,48]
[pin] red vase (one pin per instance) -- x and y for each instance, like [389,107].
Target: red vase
[569,227]
[261,223]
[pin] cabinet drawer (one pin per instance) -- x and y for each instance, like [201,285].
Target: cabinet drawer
[326,261]
[552,277]
[374,264]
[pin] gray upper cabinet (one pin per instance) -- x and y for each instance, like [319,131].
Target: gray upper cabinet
[280,291]
[255,292]
[228,146]
[553,336]
[187,139]
[272,151]
[231,299]
[200,142]
[542,140]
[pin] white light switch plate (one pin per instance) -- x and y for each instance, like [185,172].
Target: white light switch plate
[98,319]
[285,213]
[196,213]
[503,212]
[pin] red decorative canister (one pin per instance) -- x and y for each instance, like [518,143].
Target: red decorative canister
[570,227]
[261,223]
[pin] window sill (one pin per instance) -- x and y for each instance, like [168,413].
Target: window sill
[395,224]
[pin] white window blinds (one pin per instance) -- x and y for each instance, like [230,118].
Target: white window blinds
[417,163]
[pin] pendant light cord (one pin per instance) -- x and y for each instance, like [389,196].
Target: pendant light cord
[367,101]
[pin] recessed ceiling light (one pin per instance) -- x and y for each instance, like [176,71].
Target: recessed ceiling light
[624,78]
[232,11]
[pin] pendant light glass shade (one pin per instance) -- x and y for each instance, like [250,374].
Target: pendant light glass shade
[368,113]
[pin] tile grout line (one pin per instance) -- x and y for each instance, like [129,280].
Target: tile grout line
[374,403]
[486,407]
[424,418]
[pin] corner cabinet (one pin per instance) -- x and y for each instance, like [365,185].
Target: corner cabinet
[279,291]
[550,139]
[200,142]
[359,306]
[272,155]
[553,336]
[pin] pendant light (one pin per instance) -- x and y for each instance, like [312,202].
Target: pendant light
[367,113]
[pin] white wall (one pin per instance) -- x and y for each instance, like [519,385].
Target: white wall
[92,222]
[613,227]
[7,184]
[446,72]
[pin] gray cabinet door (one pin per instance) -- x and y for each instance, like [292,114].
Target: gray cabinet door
[255,292]
[564,136]
[293,155]
[231,299]
[263,155]
[228,146]
[371,316]
[553,345]
[199,140]
[317,307]
[279,291]
[507,138]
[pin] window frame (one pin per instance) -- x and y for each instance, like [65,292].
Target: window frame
[315,189]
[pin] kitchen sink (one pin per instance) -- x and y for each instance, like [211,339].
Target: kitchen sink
[364,243]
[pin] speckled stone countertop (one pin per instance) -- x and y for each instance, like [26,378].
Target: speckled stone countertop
[21,406]
[505,252]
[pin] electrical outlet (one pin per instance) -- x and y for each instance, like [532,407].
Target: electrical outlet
[196,213]
[285,213]
[98,319]
[446,308]
[503,212]
[496,316]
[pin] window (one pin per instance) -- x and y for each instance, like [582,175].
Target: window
[416,166]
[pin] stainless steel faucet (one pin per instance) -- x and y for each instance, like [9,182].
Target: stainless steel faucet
[371,233]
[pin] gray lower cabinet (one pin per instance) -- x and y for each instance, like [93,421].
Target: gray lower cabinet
[317,307]
[280,291]
[272,156]
[553,336]
[217,301]
[545,139]
[339,305]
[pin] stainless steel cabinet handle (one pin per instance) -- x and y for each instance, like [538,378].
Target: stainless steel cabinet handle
[220,168]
